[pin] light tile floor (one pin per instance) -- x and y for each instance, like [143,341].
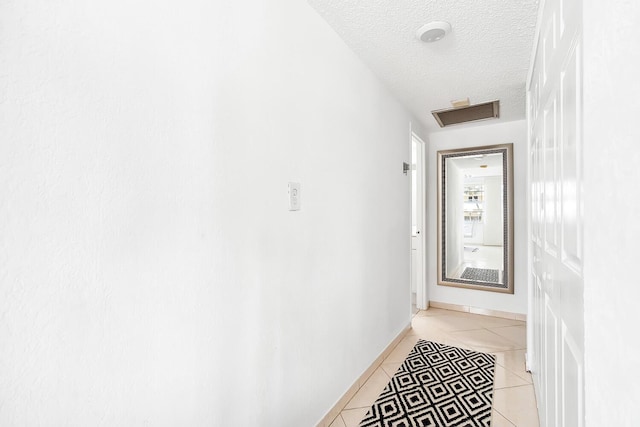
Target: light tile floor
[514,402]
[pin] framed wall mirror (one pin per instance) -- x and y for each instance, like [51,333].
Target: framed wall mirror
[475,218]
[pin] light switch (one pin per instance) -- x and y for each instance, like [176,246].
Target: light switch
[294,196]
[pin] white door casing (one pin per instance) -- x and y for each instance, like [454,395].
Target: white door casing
[418,241]
[556,309]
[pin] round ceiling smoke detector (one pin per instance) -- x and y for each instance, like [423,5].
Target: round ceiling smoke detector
[433,31]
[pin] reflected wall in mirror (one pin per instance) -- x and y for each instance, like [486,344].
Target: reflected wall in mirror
[475,218]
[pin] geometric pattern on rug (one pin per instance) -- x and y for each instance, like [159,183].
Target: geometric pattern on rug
[438,386]
[482,274]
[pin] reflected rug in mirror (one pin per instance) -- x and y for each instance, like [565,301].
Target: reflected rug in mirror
[481,274]
[437,386]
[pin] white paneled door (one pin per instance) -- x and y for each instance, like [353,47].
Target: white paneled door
[556,355]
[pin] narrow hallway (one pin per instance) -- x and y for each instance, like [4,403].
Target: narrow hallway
[514,401]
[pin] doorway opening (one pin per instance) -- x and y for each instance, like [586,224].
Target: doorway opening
[418,258]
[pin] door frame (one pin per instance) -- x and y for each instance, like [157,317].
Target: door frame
[421,197]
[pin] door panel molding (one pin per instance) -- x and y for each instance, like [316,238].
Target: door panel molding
[554,96]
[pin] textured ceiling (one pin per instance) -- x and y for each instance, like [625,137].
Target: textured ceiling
[485,57]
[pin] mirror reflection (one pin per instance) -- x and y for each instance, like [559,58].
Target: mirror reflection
[474,218]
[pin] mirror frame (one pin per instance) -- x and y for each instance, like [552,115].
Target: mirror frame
[507,194]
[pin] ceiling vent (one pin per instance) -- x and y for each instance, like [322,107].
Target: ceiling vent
[471,113]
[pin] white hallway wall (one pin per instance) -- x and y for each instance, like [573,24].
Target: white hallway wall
[489,134]
[150,271]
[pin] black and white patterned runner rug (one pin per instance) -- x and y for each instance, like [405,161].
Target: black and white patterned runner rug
[482,274]
[439,386]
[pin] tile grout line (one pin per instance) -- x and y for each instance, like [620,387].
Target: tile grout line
[507,418]
[513,372]
[369,404]
[503,416]
[344,400]
[508,339]
[411,334]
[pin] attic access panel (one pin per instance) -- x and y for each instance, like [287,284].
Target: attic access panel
[454,116]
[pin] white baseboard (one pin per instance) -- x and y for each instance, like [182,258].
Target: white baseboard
[477,310]
[351,391]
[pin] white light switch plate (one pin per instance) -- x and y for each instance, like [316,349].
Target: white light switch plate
[294,196]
